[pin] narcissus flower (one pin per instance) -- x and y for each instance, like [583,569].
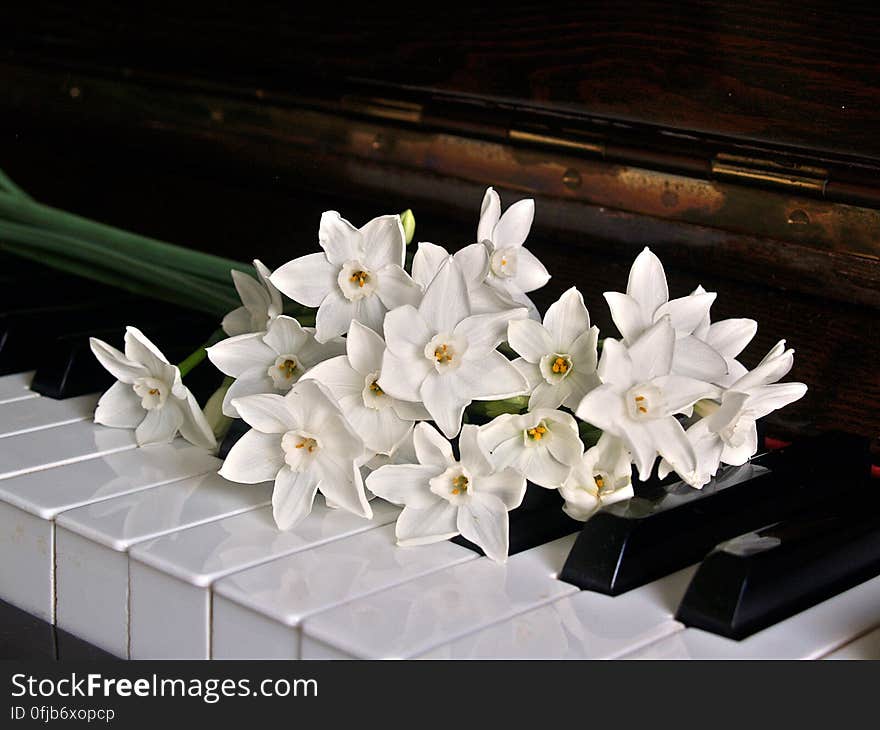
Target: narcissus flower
[542,445]
[271,361]
[381,421]
[603,476]
[443,356]
[444,496]
[303,442]
[261,302]
[559,358]
[149,396]
[639,399]
[358,277]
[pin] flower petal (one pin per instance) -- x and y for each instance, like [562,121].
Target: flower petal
[307,279]
[235,355]
[490,378]
[115,363]
[531,274]
[286,336]
[417,526]
[160,424]
[647,283]
[334,316]
[405,484]
[567,319]
[545,395]
[256,457]
[395,287]
[427,262]
[383,241]
[672,444]
[626,315]
[565,445]
[474,263]
[340,239]
[651,353]
[293,497]
[490,213]
[615,365]
[695,359]
[251,382]
[195,427]
[604,409]
[530,339]
[686,313]
[507,485]
[138,348]
[640,442]
[514,225]
[767,398]
[237,322]
[731,336]
[402,378]
[342,484]
[381,430]
[338,375]
[120,407]
[484,332]
[739,455]
[431,448]
[253,295]
[407,333]
[543,469]
[409,411]
[266,412]
[530,371]
[680,392]
[473,458]
[446,300]
[276,305]
[483,520]
[773,367]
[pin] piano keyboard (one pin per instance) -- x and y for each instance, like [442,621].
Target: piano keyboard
[147,553]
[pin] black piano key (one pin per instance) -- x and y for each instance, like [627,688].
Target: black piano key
[538,520]
[670,527]
[763,577]
[236,430]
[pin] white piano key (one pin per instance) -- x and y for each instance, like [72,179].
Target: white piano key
[171,577]
[586,625]
[810,634]
[16,387]
[49,447]
[865,647]
[418,615]
[257,612]
[32,414]
[29,503]
[91,544]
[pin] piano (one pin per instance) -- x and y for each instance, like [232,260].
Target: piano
[738,141]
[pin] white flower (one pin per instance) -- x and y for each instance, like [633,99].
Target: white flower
[444,497]
[647,301]
[380,420]
[603,476]
[359,276]
[542,445]
[261,302]
[727,433]
[513,269]
[474,263]
[728,338]
[271,361]
[558,358]
[302,442]
[150,396]
[444,357]
[639,397]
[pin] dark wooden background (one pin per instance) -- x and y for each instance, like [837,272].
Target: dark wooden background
[212,131]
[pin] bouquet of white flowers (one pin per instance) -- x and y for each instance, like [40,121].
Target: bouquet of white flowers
[443,390]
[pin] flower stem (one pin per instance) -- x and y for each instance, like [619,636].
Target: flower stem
[194,358]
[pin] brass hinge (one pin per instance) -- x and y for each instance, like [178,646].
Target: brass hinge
[770,172]
[581,144]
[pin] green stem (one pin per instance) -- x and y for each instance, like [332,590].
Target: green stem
[195,357]
[7,184]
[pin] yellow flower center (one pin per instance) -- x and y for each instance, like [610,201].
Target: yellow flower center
[640,404]
[309,444]
[288,368]
[154,391]
[442,354]
[374,388]
[560,365]
[360,278]
[459,484]
[600,482]
[537,433]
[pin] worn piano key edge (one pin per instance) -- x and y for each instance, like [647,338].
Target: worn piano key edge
[58,412]
[10,385]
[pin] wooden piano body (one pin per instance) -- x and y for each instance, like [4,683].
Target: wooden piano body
[738,142]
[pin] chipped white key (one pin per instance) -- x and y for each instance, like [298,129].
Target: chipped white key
[810,634]
[49,447]
[171,577]
[416,616]
[92,543]
[16,387]
[865,647]
[30,502]
[257,612]
[32,414]
[586,625]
